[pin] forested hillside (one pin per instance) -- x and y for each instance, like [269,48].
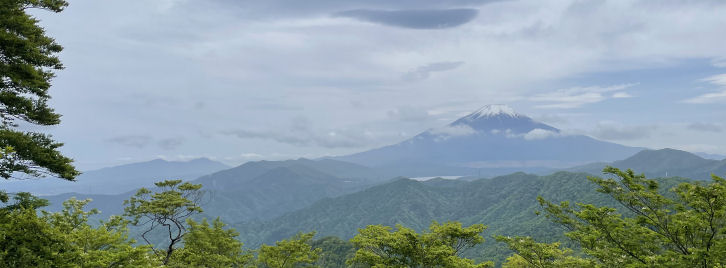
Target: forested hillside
[506,204]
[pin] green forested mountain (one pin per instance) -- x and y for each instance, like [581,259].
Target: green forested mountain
[506,204]
[256,190]
[664,163]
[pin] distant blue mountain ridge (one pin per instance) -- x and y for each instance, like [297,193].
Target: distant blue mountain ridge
[117,179]
[492,138]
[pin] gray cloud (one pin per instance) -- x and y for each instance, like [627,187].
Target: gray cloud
[311,7]
[135,141]
[414,19]
[707,127]
[302,133]
[617,132]
[425,71]
[170,143]
[408,113]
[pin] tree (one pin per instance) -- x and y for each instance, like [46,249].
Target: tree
[334,251]
[23,200]
[107,245]
[27,240]
[27,64]
[168,209]
[540,255]
[683,229]
[378,246]
[210,246]
[295,252]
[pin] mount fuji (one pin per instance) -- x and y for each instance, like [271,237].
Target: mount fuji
[494,139]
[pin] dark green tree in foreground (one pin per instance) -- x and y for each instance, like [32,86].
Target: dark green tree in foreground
[684,228]
[210,246]
[27,64]
[65,239]
[165,211]
[294,252]
[441,246]
[531,254]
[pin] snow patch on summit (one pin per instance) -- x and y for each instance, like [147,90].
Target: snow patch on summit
[493,110]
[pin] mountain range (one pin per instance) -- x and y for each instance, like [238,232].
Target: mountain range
[117,179]
[506,204]
[664,163]
[255,190]
[493,140]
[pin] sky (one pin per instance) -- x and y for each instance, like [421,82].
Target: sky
[239,80]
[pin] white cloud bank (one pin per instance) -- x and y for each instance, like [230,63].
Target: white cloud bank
[540,134]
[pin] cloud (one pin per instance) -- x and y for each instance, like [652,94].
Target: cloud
[719,62]
[301,133]
[719,80]
[170,143]
[707,127]
[415,18]
[568,98]
[135,141]
[297,8]
[708,98]
[718,96]
[408,114]
[251,156]
[619,132]
[423,72]
[453,131]
[539,134]
[621,95]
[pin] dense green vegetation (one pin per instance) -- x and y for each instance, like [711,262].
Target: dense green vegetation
[636,224]
[507,205]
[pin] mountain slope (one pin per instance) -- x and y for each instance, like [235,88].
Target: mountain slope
[664,162]
[274,192]
[255,190]
[118,179]
[233,177]
[493,137]
[506,204]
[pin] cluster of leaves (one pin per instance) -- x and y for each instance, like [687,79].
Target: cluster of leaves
[65,239]
[441,246]
[27,63]
[34,238]
[540,255]
[289,253]
[684,229]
